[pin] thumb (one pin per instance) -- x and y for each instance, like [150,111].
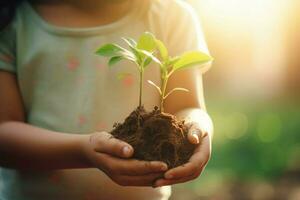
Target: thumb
[106,143]
[194,135]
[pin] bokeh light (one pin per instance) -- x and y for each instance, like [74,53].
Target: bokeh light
[269,127]
[252,95]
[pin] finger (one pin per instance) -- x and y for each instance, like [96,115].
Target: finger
[135,167]
[145,180]
[195,134]
[185,170]
[131,166]
[197,161]
[106,143]
[202,152]
[163,182]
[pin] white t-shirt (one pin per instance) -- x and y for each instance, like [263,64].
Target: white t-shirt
[66,87]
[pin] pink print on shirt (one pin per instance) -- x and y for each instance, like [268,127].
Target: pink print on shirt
[81,119]
[73,63]
[100,126]
[126,79]
[99,66]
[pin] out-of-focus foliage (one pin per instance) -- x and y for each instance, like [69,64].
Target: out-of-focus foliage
[253,95]
[256,148]
[257,139]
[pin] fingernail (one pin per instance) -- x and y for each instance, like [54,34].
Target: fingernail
[195,136]
[126,151]
[164,167]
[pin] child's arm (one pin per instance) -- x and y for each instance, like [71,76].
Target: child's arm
[190,106]
[23,146]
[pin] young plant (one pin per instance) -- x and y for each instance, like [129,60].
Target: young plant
[141,53]
[169,65]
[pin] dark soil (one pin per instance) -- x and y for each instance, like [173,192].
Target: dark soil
[156,136]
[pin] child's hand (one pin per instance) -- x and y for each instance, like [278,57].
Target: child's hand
[111,156]
[197,162]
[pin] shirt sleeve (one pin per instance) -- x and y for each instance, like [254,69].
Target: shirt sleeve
[7,49]
[179,28]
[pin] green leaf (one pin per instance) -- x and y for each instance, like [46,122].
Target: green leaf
[169,65]
[132,45]
[162,50]
[131,42]
[109,50]
[147,61]
[137,54]
[176,89]
[114,60]
[191,58]
[129,55]
[146,42]
[173,60]
[153,84]
[147,53]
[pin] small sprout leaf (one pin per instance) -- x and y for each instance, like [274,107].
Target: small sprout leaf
[153,84]
[137,55]
[146,42]
[143,52]
[114,60]
[147,61]
[147,53]
[162,50]
[170,63]
[173,60]
[129,55]
[130,42]
[190,59]
[175,89]
[109,50]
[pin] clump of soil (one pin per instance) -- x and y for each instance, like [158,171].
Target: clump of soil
[155,136]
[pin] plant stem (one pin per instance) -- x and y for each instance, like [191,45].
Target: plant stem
[141,93]
[163,91]
[141,87]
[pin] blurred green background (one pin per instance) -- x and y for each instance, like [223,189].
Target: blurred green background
[252,94]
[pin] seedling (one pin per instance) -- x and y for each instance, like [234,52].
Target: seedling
[169,65]
[139,52]
[154,135]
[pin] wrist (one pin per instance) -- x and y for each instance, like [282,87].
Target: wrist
[77,144]
[83,145]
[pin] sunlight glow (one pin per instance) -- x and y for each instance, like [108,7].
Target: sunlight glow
[250,37]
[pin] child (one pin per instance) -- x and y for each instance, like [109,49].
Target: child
[59,100]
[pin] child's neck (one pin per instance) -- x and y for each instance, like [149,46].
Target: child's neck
[81,13]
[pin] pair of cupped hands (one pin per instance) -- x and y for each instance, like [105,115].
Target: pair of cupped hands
[113,157]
